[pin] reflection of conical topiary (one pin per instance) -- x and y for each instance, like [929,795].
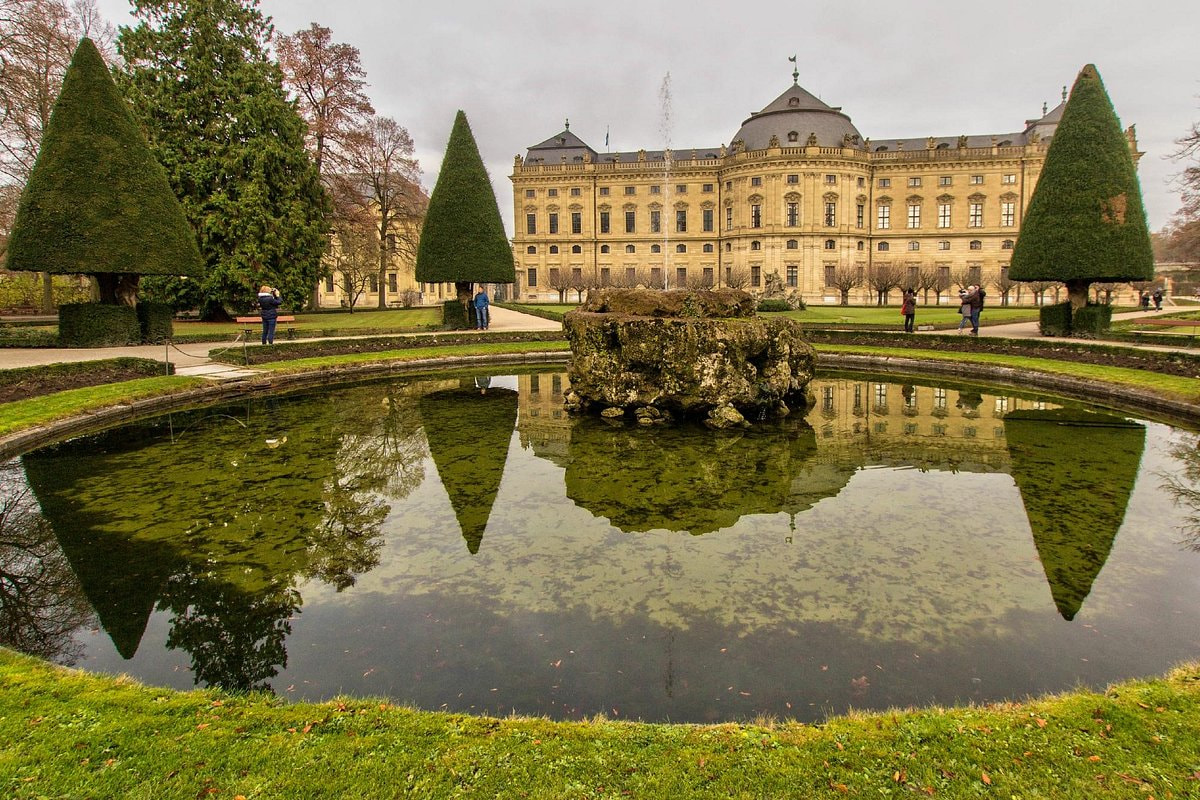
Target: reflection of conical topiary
[468,435]
[1075,471]
[122,578]
[685,478]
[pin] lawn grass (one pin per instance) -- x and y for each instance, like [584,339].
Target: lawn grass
[71,734]
[412,354]
[396,320]
[35,411]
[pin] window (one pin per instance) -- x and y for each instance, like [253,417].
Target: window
[793,275]
[681,221]
[656,276]
[604,191]
[973,273]
[943,215]
[914,183]
[914,215]
[862,182]
[831,244]
[630,190]
[655,221]
[755,216]
[945,180]
[708,277]
[630,248]
[728,247]
[885,183]
[976,180]
[831,180]
[575,191]
[531,250]
[576,222]
[756,181]
[706,220]
[793,179]
[793,214]
[830,277]
[884,220]
[975,217]
[728,217]
[656,248]
[976,244]
[576,249]
[861,244]
[755,275]
[728,186]
[605,222]
[830,214]
[531,223]
[531,193]
[860,212]
[329,283]
[792,244]
[707,188]
[1008,213]
[630,218]
[553,275]
[656,189]
[605,275]
[576,274]
[756,245]
[1007,244]
[554,223]
[681,188]
[553,249]
[681,276]
[552,192]
[631,274]
[531,276]
[708,248]
[1008,179]
[604,249]
[914,246]
[883,247]
[944,244]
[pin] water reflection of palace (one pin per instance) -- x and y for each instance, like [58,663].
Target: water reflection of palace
[862,421]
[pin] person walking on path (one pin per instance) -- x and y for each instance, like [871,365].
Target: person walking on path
[974,299]
[964,310]
[1158,296]
[908,307]
[481,309]
[268,309]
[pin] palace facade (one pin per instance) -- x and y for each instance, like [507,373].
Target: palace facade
[799,200]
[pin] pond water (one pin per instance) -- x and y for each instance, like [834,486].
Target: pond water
[460,543]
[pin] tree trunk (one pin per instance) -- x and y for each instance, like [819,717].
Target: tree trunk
[1077,292]
[118,289]
[47,293]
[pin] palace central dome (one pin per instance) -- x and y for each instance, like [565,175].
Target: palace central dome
[792,118]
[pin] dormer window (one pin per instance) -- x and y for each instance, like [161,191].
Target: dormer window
[793,136]
[793,102]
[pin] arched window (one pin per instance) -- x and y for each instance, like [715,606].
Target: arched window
[630,248]
[1007,244]
[531,250]
[914,245]
[756,245]
[861,244]
[656,248]
[576,249]
[883,246]
[830,244]
[792,244]
[976,244]
[553,249]
[604,248]
[793,136]
[708,248]
[681,248]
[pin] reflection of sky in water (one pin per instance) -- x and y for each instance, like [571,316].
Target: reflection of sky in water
[879,584]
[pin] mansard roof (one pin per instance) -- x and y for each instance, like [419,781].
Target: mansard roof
[564,146]
[797,111]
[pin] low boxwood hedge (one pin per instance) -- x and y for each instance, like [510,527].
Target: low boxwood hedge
[287,351]
[1055,320]
[97,325]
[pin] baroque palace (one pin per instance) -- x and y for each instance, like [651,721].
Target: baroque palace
[799,200]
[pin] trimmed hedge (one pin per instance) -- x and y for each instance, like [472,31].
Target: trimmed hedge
[1092,320]
[1055,320]
[156,321]
[455,317]
[97,325]
[287,351]
[774,304]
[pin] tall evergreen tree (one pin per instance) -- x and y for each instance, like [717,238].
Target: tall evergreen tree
[463,238]
[1086,222]
[97,202]
[202,83]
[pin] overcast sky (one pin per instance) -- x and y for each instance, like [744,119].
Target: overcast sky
[899,70]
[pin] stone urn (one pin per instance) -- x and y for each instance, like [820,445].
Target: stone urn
[656,354]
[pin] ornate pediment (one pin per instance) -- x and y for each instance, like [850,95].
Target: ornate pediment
[629,207]
[945,198]
[831,197]
[604,207]
[884,200]
[1009,196]
[707,204]
[552,207]
[681,205]
[792,197]
[914,199]
[655,206]
[530,209]
[575,207]
[977,198]
[755,198]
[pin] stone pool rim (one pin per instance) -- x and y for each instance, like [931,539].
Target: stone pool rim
[1120,398]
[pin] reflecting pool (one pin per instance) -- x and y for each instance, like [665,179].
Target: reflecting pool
[461,543]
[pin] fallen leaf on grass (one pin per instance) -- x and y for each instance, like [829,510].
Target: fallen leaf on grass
[1093,758]
[1041,723]
[986,778]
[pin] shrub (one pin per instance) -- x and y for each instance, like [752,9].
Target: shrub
[774,304]
[454,316]
[1092,320]
[97,325]
[1055,320]
[155,321]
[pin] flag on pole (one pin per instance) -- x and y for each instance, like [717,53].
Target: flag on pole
[606,137]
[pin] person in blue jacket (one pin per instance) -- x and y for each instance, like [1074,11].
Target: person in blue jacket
[268,309]
[482,315]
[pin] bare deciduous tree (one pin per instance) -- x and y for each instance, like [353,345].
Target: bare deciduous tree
[353,255]
[883,278]
[737,278]
[559,282]
[845,278]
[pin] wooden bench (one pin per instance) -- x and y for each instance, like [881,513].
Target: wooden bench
[288,332]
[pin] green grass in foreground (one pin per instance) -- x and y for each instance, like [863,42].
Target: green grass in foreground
[413,354]
[47,408]
[393,320]
[1170,386]
[70,734]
